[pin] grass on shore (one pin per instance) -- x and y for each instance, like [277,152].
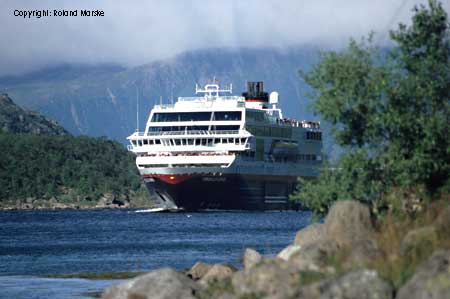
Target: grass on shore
[97,276]
[408,241]
[404,242]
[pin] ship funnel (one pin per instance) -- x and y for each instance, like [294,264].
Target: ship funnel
[259,88]
[250,88]
[255,92]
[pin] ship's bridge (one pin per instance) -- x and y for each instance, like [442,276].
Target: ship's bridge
[209,129]
[203,125]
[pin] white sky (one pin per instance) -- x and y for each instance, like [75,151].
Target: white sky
[138,32]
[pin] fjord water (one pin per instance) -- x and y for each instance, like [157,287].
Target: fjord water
[37,243]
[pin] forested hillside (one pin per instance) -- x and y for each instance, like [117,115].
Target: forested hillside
[42,166]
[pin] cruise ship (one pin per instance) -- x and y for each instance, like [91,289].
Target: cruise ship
[219,151]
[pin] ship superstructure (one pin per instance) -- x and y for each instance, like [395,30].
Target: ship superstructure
[218,151]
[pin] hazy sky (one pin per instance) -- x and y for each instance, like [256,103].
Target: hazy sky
[138,32]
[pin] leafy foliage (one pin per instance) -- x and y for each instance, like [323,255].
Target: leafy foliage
[46,166]
[390,111]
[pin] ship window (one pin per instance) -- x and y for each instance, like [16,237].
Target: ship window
[133,142]
[203,141]
[242,140]
[150,141]
[217,141]
[177,142]
[190,141]
[145,141]
[314,135]
[181,116]
[230,140]
[157,141]
[140,142]
[210,141]
[182,128]
[256,116]
[227,115]
[224,140]
[227,128]
[192,128]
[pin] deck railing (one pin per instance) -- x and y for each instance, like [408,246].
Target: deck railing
[191,132]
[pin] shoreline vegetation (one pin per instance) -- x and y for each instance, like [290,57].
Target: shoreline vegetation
[67,172]
[96,276]
[42,166]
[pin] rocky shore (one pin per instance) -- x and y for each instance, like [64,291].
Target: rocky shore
[345,257]
[106,201]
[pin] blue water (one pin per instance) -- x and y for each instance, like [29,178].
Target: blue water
[34,243]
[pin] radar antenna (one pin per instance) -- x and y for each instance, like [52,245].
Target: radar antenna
[213,90]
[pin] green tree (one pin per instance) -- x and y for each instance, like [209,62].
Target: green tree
[390,110]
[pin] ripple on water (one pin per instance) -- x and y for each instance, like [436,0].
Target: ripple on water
[54,242]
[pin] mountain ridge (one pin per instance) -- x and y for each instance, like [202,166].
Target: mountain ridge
[99,101]
[14,119]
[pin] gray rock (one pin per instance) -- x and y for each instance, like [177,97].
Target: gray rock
[443,220]
[198,270]
[359,284]
[348,222]
[431,280]
[251,258]
[289,251]
[270,279]
[27,206]
[159,284]
[310,234]
[315,257]
[217,272]
[419,239]
[362,252]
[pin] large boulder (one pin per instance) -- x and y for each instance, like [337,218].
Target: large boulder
[358,284]
[270,279]
[217,272]
[289,251]
[251,258]
[315,257]
[361,254]
[310,234]
[349,222]
[159,284]
[420,239]
[431,280]
[198,270]
[443,220]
